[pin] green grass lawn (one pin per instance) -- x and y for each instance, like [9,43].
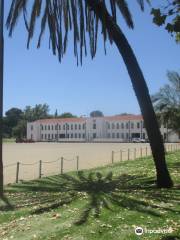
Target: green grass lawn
[8,140]
[103,203]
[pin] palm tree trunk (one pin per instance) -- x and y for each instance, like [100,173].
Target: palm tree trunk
[141,91]
[1,90]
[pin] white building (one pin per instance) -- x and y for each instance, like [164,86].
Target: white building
[113,129]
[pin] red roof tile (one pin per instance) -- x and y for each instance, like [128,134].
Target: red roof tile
[61,120]
[124,117]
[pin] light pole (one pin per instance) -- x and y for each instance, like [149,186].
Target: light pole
[1,89]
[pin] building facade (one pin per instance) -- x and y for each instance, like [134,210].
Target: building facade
[108,129]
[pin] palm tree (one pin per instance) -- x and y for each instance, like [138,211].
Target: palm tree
[167,101]
[83,16]
[1,90]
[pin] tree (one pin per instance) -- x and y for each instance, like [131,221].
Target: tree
[13,116]
[6,129]
[56,114]
[11,119]
[85,15]
[96,113]
[167,102]
[67,115]
[168,16]
[1,90]
[124,114]
[19,131]
[40,111]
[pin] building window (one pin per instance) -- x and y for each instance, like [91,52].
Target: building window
[52,136]
[113,135]
[122,125]
[41,127]
[56,127]
[113,126]
[132,125]
[75,126]
[41,136]
[67,126]
[45,136]
[52,127]
[45,127]
[94,125]
[71,135]
[31,127]
[68,135]
[59,127]
[75,135]
[94,135]
[122,135]
[83,125]
[79,126]
[71,126]
[109,135]
[59,135]
[108,125]
[117,125]
[48,136]
[48,127]
[83,135]
[127,125]
[138,125]
[64,127]
[117,135]
[79,135]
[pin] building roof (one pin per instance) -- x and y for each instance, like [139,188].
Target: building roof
[60,120]
[128,117]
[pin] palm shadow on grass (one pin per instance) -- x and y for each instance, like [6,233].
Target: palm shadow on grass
[6,206]
[171,237]
[132,192]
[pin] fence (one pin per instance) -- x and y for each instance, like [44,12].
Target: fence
[132,154]
[28,171]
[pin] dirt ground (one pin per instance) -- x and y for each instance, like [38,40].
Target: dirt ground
[90,155]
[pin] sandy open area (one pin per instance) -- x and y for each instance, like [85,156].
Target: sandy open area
[90,155]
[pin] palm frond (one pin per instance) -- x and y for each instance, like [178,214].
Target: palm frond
[63,16]
[123,7]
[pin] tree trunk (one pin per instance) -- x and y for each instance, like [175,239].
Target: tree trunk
[1,91]
[141,91]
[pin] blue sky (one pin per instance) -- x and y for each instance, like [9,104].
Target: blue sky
[35,76]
